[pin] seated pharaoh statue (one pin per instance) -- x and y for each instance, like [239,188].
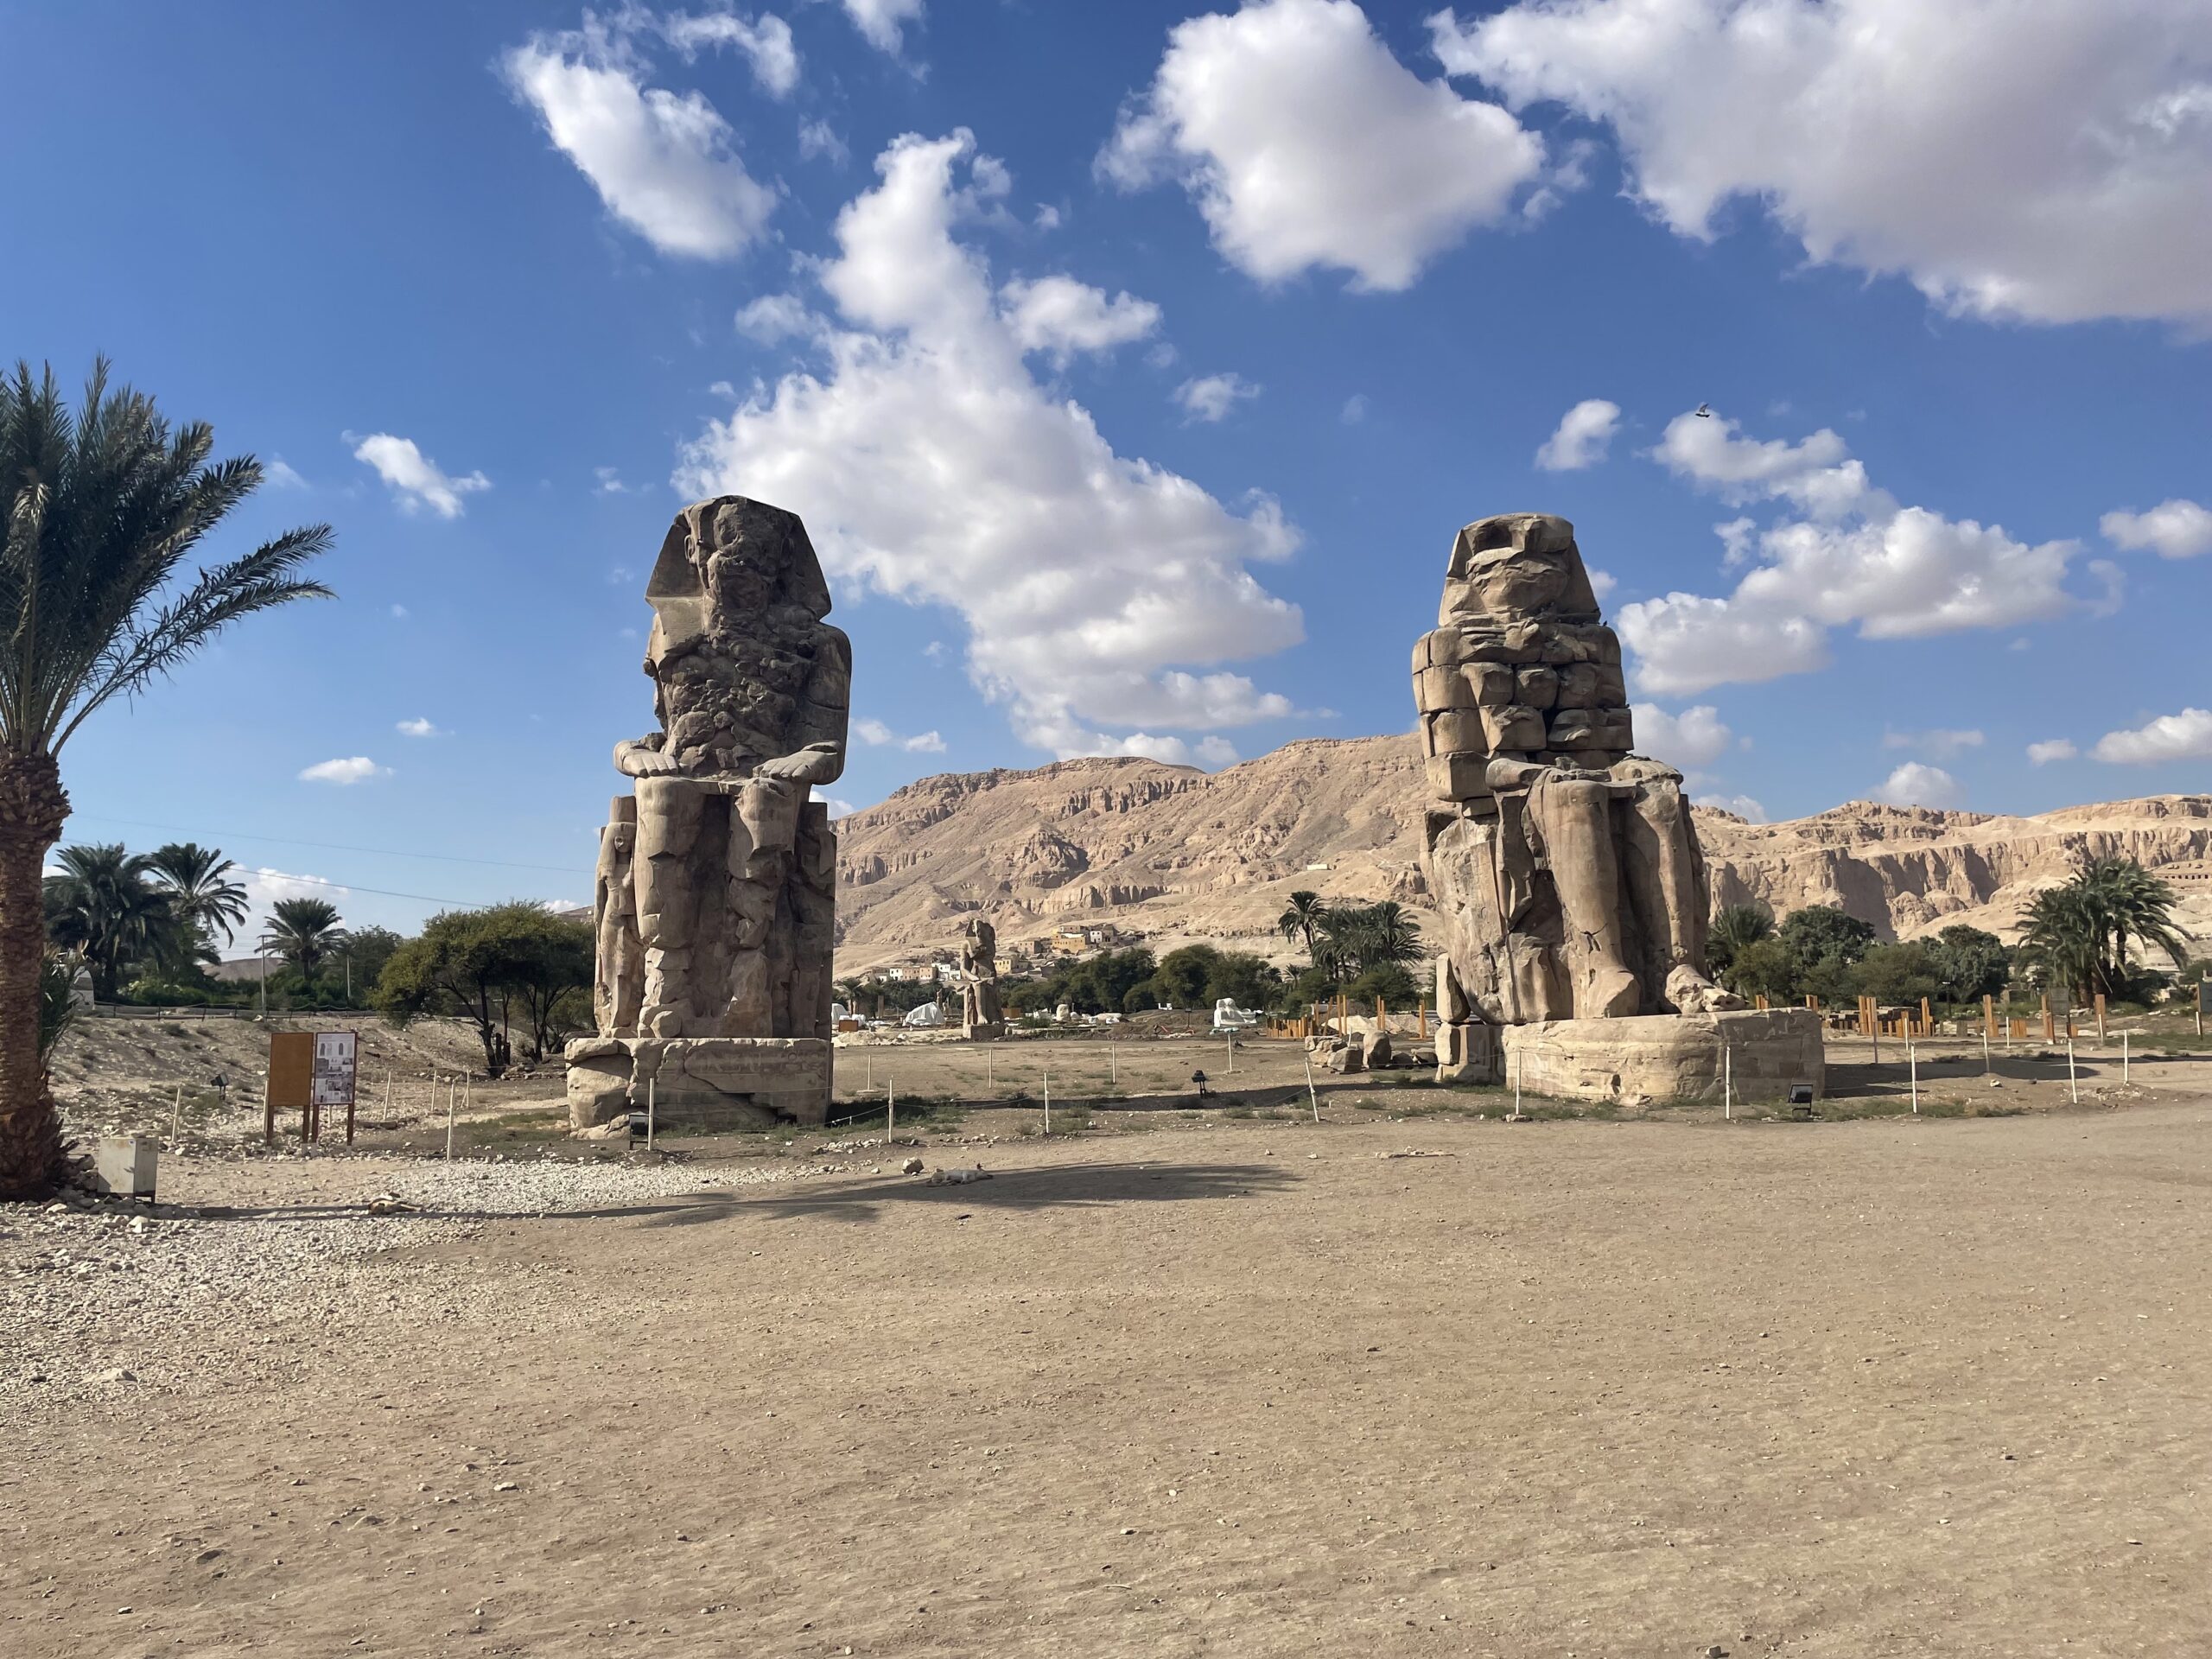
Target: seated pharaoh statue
[716,882]
[1566,868]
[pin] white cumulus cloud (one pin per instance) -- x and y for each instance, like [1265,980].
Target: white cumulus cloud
[1583,433]
[774,318]
[2185,736]
[419,727]
[819,138]
[2176,529]
[353,769]
[882,22]
[875,733]
[2050,159]
[1211,397]
[1742,805]
[1059,316]
[1855,558]
[1694,738]
[766,41]
[2056,748]
[416,480]
[265,886]
[1916,784]
[1306,145]
[665,165]
[931,465]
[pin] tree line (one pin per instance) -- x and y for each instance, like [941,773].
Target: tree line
[2091,935]
[146,926]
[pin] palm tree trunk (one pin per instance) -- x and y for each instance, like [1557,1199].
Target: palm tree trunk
[33,807]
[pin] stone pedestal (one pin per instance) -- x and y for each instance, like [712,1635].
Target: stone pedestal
[700,1084]
[1650,1059]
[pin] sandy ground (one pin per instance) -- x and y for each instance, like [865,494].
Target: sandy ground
[1171,1385]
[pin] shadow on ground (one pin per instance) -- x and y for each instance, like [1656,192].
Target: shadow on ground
[870,1198]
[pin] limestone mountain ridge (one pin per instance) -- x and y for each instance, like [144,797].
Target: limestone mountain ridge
[1175,855]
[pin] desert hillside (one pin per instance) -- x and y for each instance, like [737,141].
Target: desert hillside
[1175,853]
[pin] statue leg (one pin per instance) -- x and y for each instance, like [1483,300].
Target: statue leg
[1574,817]
[668,901]
[1659,822]
[763,829]
[1668,884]
[814,908]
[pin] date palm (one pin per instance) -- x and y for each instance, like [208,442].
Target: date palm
[100,508]
[1305,914]
[1735,927]
[102,906]
[198,884]
[303,931]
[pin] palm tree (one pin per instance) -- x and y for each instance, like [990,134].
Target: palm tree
[303,932]
[198,879]
[2078,934]
[102,905]
[99,508]
[2132,904]
[2063,937]
[1391,938]
[1735,926]
[1356,939]
[1305,914]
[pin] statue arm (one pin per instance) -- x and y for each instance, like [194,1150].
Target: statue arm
[818,726]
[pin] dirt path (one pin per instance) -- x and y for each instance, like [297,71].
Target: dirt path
[1857,1389]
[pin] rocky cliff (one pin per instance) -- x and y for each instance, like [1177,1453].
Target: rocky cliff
[1177,855]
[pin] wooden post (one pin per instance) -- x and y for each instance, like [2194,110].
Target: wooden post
[1912,1058]
[2123,1059]
[1232,1054]
[1312,1099]
[2050,1020]
[1988,1023]
[450,1095]
[1048,1099]
[2073,1086]
[890,1109]
[1927,1018]
[1727,1082]
[652,1116]
[2100,1019]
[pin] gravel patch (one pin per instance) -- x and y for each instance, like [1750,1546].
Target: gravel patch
[104,1301]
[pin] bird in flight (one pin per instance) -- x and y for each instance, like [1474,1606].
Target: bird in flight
[1704,413]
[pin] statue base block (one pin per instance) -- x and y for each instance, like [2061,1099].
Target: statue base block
[1653,1059]
[700,1085]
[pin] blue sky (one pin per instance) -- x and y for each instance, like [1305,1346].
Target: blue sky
[1133,367]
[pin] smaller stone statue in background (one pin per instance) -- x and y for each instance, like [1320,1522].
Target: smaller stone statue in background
[982,1016]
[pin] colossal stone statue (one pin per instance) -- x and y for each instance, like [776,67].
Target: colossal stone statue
[1567,869]
[715,889]
[980,1014]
